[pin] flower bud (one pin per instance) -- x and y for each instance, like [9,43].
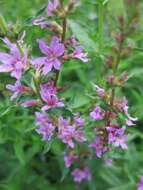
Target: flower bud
[111,79]
[71,5]
[55,27]
[109,61]
[119,38]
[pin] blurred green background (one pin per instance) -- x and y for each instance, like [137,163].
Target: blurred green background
[25,161]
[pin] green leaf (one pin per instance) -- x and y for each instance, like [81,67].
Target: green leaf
[83,36]
[18,147]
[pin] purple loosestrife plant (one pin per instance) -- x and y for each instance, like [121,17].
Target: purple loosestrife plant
[42,92]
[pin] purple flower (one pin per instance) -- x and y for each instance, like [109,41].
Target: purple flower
[42,119]
[40,21]
[47,129]
[79,54]
[97,114]
[100,91]
[130,119]
[79,135]
[73,41]
[50,99]
[81,174]
[66,132]
[108,161]
[69,158]
[78,120]
[99,146]
[117,137]
[52,54]
[52,6]
[30,103]
[129,122]
[13,62]
[17,88]
[112,133]
[120,142]
[140,184]
[49,87]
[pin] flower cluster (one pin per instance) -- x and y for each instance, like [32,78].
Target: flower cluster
[111,112]
[42,90]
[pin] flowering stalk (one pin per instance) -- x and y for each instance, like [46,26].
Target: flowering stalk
[63,36]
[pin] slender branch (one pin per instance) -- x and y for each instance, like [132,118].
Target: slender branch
[63,40]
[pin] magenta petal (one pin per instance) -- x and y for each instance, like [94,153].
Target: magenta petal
[30,103]
[16,74]
[38,62]
[59,50]
[46,107]
[13,48]
[43,47]
[5,58]
[55,40]
[60,104]
[7,42]
[47,68]
[57,64]
[5,68]
[14,96]
[50,8]
[10,87]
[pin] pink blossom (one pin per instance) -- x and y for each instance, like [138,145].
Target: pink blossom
[13,62]
[17,88]
[73,41]
[81,174]
[130,119]
[98,144]
[46,127]
[66,132]
[41,21]
[69,158]
[108,161]
[52,6]
[100,91]
[50,99]
[117,137]
[78,120]
[140,184]
[69,133]
[30,103]
[79,54]
[120,142]
[97,114]
[52,53]
[79,135]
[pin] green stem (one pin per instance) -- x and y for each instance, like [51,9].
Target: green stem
[63,40]
[100,23]
[3,25]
